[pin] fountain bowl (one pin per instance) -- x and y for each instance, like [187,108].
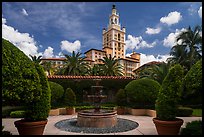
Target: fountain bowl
[103,118]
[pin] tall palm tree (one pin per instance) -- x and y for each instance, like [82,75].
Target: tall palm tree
[192,40]
[48,67]
[156,72]
[36,59]
[179,55]
[96,70]
[111,67]
[75,64]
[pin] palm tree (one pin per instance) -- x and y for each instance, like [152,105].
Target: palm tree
[179,55]
[156,72]
[75,64]
[192,41]
[47,67]
[111,67]
[36,59]
[96,70]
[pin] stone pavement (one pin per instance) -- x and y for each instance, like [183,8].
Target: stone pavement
[146,125]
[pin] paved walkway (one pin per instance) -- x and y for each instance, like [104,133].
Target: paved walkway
[146,125]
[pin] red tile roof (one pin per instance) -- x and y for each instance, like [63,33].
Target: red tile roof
[87,77]
[56,59]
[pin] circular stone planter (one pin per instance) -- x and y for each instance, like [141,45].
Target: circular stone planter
[105,118]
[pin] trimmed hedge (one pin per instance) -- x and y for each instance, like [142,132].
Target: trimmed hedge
[6,110]
[142,93]
[69,98]
[57,92]
[192,128]
[121,98]
[24,83]
[17,114]
[184,112]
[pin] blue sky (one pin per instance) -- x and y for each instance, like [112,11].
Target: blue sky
[50,29]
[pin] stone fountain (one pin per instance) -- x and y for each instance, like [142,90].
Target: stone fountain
[97,117]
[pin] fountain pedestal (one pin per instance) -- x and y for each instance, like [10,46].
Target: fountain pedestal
[97,117]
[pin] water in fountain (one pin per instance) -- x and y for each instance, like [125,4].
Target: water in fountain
[97,117]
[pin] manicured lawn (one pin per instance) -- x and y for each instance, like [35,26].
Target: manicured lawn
[197,112]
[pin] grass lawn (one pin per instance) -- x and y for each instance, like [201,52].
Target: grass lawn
[197,112]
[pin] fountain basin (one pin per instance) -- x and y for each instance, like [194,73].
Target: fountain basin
[102,119]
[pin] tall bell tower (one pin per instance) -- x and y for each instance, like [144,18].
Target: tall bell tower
[114,36]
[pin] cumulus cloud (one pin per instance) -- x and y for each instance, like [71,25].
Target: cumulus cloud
[137,43]
[171,18]
[69,46]
[149,58]
[3,21]
[24,12]
[200,12]
[153,31]
[48,53]
[23,41]
[170,40]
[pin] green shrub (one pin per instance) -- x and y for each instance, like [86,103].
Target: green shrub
[192,128]
[193,79]
[17,114]
[24,83]
[6,110]
[121,98]
[169,94]
[184,112]
[192,93]
[57,92]
[142,93]
[78,86]
[69,97]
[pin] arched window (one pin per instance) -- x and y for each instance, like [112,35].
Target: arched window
[116,21]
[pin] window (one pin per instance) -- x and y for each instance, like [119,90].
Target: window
[118,36]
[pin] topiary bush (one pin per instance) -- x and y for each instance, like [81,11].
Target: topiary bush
[57,92]
[193,79]
[24,82]
[121,97]
[69,98]
[142,93]
[192,128]
[169,94]
[192,93]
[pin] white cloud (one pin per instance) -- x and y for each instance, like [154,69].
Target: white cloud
[137,42]
[128,54]
[153,31]
[172,18]
[24,12]
[3,21]
[48,53]
[170,40]
[70,47]
[200,12]
[149,58]
[23,41]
